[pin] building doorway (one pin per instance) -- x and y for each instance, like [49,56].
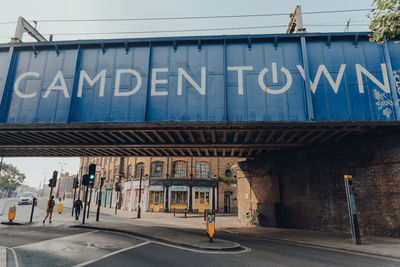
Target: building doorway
[227,202]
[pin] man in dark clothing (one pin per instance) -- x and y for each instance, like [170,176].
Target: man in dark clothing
[78,205]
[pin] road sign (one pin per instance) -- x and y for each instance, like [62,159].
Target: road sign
[11,213]
[211,225]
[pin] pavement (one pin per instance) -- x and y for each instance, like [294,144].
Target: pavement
[157,226]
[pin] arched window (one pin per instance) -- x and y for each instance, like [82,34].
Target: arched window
[179,169]
[157,168]
[129,173]
[139,169]
[202,170]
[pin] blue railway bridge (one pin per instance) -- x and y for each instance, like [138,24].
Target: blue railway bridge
[195,96]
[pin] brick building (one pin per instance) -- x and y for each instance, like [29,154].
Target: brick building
[305,188]
[192,183]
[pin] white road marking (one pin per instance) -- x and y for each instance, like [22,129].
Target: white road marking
[3,256]
[61,237]
[15,257]
[111,254]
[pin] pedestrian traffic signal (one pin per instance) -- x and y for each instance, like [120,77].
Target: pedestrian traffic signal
[85,180]
[92,173]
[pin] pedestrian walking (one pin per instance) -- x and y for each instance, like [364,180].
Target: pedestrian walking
[50,205]
[78,206]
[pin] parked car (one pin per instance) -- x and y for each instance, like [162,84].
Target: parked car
[26,199]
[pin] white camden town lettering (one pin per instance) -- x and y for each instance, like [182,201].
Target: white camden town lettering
[58,82]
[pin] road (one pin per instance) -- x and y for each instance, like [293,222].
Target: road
[44,245]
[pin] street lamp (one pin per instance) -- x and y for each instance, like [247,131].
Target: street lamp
[140,192]
[59,184]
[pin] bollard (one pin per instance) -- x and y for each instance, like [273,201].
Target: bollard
[205,215]
[174,212]
[185,214]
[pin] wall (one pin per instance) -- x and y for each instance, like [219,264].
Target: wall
[309,185]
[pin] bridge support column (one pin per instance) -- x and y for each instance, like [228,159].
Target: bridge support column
[258,192]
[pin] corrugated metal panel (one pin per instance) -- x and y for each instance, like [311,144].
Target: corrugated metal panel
[210,80]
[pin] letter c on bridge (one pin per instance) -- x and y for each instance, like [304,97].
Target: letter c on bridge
[18,80]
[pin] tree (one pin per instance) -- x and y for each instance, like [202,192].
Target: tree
[385,20]
[10,177]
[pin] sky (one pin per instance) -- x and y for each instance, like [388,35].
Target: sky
[44,12]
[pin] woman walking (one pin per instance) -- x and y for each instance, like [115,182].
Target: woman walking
[50,205]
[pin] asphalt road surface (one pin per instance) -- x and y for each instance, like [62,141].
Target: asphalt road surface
[66,246]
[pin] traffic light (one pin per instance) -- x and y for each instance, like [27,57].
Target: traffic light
[92,173]
[118,187]
[85,180]
[102,182]
[54,179]
[50,182]
[76,183]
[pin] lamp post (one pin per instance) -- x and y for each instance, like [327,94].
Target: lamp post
[59,183]
[140,192]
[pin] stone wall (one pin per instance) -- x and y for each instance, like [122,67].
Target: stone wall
[309,188]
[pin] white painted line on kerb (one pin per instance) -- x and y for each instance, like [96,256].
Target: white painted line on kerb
[15,257]
[111,254]
[3,256]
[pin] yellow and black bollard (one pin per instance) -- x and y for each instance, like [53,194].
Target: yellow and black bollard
[60,208]
[11,213]
[211,225]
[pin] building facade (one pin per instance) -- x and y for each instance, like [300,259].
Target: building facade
[164,183]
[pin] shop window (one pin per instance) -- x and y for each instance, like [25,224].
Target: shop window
[202,197]
[179,169]
[202,170]
[157,169]
[179,197]
[139,169]
[156,197]
[228,172]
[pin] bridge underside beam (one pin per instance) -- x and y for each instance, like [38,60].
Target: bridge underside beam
[232,140]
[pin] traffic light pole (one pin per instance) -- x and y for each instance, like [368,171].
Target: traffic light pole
[116,203]
[84,209]
[98,206]
[33,208]
[73,201]
[99,200]
[90,198]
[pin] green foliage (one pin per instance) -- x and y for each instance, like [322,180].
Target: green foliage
[385,20]
[10,177]
[231,180]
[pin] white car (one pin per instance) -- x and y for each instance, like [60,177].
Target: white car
[26,199]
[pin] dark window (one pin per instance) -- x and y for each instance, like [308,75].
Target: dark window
[202,170]
[157,169]
[179,169]
[139,169]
